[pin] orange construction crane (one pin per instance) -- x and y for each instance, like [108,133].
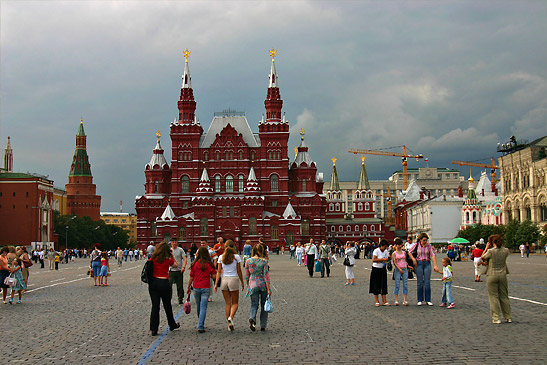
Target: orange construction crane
[493,167]
[403,155]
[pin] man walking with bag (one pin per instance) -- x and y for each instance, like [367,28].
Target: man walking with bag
[312,257]
[324,256]
[176,273]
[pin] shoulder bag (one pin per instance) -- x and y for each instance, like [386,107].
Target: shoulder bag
[346,261]
[10,281]
[147,272]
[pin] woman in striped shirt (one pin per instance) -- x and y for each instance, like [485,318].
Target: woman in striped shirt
[424,253]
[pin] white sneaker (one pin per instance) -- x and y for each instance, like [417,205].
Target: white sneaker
[429,303]
[419,303]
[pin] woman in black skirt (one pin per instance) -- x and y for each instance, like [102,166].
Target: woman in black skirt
[378,276]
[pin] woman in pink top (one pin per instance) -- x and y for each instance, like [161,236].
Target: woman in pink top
[423,253]
[401,270]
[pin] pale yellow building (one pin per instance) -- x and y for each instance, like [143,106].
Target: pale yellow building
[523,173]
[126,221]
[60,201]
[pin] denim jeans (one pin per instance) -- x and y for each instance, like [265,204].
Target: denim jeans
[201,296]
[398,276]
[299,258]
[325,264]
[254,307]
[423,276]
[447,293]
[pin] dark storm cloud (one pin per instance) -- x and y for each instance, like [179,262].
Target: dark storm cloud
[448,80]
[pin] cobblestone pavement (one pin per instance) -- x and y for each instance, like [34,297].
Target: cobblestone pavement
[64,319]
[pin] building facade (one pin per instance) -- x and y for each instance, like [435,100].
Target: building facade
[230,182]
[82,198]
[126,221]
[524,183]
[25,209]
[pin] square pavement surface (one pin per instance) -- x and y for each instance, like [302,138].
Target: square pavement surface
[64,319]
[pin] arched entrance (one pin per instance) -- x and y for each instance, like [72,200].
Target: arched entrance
[230,231]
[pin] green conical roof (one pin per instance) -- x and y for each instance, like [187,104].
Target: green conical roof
[471,194]
[81,129]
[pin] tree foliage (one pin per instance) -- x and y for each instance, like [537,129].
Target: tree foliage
[478,231]
[84,232]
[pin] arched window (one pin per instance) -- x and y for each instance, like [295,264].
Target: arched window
[229,184]
[304,185]
[274,233]
[337,207]
[356,228]
[274,183]
[332,228]
[217,155]
[241,183]
[182,234]
[289,236]
[217,184]
[331,207]
[348,228]
[203,227]
[223,212]
[269,155]
[360,206]
[232,211]
[252,226]
[305,227]
[252,155]
[372,227]
[340,228]
[180,156]
[184,184]
[474,216]
[241,155]
[365,228]
[467,216]
[367,206]
[156,187]
[205,156]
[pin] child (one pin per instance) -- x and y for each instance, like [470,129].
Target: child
[20,286]
[447,284]
[104,269]
[400,271]
[57,260]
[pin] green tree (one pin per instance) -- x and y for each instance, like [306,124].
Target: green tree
[527,231]
[509,239]
[478,231]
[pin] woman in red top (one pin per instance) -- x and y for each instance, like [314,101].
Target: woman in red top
[159,287]
[201,272]
[476,255]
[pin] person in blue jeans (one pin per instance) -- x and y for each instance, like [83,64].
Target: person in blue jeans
[202,270]
[400,271]
[258,280]
[423,253]
[447,299]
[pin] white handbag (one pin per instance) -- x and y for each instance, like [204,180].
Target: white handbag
[10,281]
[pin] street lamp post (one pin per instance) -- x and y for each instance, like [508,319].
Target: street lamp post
[66,238]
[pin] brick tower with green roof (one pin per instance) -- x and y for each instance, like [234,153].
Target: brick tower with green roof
[82,199]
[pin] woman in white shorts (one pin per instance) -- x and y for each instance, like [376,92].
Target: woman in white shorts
[229,269]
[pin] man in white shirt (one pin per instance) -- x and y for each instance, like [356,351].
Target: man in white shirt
[176,273]
[312,257]
[408,243]
[119,256]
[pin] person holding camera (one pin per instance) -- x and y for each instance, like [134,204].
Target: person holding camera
[378,276]
[496,278]
[350,255]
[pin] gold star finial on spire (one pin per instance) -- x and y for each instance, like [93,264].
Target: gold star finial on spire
[186,54]
[363,160]
[334,159]
[272,54]
[158,134]
[81,120]
[295,152]
[302,133]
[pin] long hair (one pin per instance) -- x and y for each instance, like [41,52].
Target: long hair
[231,244]
[203,257]
[229,254]
[422,235]
[161,252]
[258,250]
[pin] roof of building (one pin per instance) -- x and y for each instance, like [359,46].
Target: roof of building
[168,214]
[334,184]
[439,169]
[289,212]
[363,177]
[303,155]
[22,175]
[239,123]
[158,158]
[412,192]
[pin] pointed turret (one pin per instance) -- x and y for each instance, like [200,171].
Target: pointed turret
[80,162]
[471,194]
[8,157]
[252,186]
[363,177]
[204,186]
[289,212]
[273,102]
[302,154]
[334,183]
[186,103]
[158,161]
[168,214]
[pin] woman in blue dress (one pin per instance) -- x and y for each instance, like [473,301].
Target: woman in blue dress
[16,266]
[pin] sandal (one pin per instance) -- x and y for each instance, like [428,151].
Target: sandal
[396,303]
[377,304]
[386,304]
[405,303]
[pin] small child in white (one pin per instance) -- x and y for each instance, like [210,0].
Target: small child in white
[447,299]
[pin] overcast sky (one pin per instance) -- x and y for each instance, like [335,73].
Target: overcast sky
[447,79]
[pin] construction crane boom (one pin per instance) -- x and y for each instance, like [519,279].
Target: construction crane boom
[403,155]
[492,166]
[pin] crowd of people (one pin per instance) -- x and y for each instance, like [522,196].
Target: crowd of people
[14,264]
[211,269]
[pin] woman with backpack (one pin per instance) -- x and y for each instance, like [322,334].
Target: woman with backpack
[350,256]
